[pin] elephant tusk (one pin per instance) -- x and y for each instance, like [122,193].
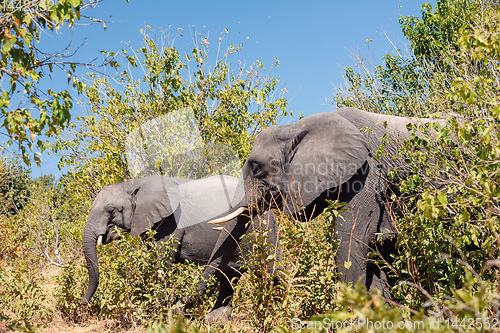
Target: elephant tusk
[218,228]
[229,217]
[99,240]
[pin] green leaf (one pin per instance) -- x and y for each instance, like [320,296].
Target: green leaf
[75,3]
[443,199]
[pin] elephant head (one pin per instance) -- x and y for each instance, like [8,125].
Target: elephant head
[133,206]
[296,163]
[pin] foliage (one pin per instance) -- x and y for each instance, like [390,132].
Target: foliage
[46,221]
[445,233]
[14,188]
[307,273]
[231,104]
[32,237]
[462,220]
[312,245]
[260,291]
[21,298]
[437,29]
[137,282]
[178,326]
[401,85]
[358,309]
[14,179]
[23,65]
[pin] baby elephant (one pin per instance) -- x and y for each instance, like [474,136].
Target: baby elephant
[180,208]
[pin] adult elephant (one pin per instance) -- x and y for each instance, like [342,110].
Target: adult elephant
[332,156]
[173,207]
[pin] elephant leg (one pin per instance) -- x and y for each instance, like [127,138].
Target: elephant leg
[226,261]
[384,245]
[224,256]
[225,251]
[354,233]
[356,236]
[351,259]
[222,309]
[377,277]
[220,315]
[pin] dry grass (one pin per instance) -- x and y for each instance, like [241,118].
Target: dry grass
[94,325]
[239,323]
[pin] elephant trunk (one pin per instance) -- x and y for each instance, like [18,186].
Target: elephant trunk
[89,242]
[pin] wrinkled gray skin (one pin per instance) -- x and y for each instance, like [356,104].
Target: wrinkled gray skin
[330,156]
[167,205]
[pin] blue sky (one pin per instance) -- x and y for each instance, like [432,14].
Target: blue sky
[312,40]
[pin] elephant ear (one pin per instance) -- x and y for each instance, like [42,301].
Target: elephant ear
[321,152]
[150,207]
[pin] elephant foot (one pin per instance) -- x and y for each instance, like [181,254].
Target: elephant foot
[220,315]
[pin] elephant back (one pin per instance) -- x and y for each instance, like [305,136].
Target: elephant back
[386,131]
[205,199]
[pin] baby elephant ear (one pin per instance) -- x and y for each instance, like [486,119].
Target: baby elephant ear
[151,207]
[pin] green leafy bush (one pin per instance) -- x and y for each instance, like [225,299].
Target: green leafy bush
[22,301]
[14,181]
[137,283]
[446,233]
[311,248]
[257,294]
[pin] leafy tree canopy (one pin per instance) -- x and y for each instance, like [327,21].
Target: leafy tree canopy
[232,103]
[402,82]
[27,111]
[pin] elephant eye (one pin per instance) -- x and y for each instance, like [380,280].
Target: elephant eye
[255,167]
[111,210]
